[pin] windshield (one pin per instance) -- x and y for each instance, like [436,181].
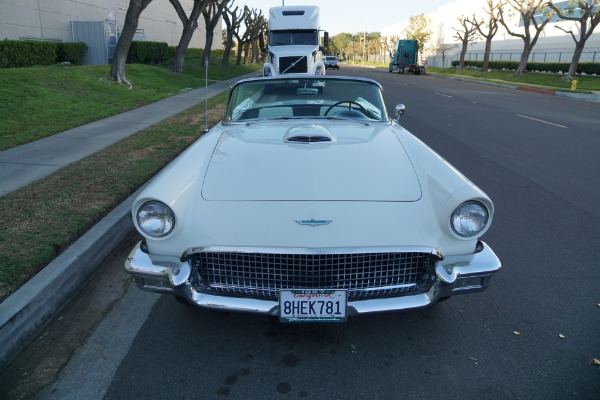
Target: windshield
[293,37]
[326,98]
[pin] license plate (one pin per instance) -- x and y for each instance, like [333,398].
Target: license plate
[312,305]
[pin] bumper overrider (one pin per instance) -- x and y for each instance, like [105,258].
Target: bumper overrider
[451,276]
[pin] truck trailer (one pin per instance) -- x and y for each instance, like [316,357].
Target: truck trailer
[405,58]
[293,41]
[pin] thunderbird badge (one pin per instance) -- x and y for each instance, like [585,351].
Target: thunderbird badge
[314,222]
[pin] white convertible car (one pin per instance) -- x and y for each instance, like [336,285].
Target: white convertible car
[308,203]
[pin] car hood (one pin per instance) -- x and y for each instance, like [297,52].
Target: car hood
[341,161]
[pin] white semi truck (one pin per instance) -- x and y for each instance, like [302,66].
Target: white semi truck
[293,41]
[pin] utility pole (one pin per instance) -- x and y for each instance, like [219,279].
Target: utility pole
[364,43]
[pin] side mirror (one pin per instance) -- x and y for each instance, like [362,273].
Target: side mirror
[326,39]
[399,110]
[261,43]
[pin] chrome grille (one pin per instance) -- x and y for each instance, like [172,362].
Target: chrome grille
[293,65]
[262,275]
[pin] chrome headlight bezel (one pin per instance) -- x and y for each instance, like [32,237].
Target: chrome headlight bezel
[470,219]
[155,219]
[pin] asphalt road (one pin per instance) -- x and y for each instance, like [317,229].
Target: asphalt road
[532,335]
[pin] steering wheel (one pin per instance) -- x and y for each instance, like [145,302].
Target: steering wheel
[350,103]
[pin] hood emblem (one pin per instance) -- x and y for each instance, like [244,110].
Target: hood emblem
[314,222]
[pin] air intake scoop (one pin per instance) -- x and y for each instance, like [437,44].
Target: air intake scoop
[308,134]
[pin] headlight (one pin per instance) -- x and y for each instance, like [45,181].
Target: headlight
[155,219]
[469,219]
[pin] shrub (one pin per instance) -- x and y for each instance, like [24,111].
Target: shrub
[151,53]
[71,52]
[26,53]
[585,68]
[29,53]
[199,53]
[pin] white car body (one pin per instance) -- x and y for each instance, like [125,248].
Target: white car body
[313,186]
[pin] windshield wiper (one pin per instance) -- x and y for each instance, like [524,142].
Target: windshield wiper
[285,118]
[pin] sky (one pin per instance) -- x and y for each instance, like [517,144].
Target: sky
[351,16]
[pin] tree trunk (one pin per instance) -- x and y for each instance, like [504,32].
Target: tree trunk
[189,27]
[486,54]
[184,42]
[211,19]
[463,52]
[117,66]
[227,50]
[208,45]
[246,52]
[575,60]
[255,51]
[524,59]
[238,60]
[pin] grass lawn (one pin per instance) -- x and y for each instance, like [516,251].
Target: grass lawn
[530,79]
[50,214]
[41,101]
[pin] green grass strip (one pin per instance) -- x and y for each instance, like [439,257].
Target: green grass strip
[49,215]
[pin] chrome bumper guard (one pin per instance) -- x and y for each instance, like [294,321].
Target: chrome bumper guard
[454,276]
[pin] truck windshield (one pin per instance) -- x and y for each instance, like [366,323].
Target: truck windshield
[293,37]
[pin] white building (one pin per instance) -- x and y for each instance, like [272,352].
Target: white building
[96,22]
[554,45]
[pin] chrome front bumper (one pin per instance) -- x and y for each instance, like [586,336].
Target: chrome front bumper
[453,276]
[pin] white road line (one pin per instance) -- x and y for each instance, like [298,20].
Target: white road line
[540,120]
[441,94]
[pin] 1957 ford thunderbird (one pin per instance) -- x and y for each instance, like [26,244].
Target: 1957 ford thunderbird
[308,203]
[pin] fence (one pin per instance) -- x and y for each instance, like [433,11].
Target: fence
[554,56]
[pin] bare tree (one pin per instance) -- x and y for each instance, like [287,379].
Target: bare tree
[254,21]
[117,66]
[260,30]
[489,28]
[418,29]
[441,47]
[189,27]
[389,44]
[534,15]
[465,35]
[212,16]
[233,21]
[587,15]
[242,39]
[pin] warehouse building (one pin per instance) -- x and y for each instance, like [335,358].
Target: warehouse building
[554,45]
[95,22]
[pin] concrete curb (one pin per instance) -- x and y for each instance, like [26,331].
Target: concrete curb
[31,307]
[576,96]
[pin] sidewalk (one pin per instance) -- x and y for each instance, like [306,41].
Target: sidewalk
[27,310]
[19,166]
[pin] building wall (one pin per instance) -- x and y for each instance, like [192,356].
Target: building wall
[51,20]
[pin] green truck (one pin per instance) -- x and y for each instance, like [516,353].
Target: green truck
[406,58]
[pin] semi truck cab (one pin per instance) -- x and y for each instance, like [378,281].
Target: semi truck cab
[293,41]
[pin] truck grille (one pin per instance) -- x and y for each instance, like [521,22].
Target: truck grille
[262,275]
[293,65]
